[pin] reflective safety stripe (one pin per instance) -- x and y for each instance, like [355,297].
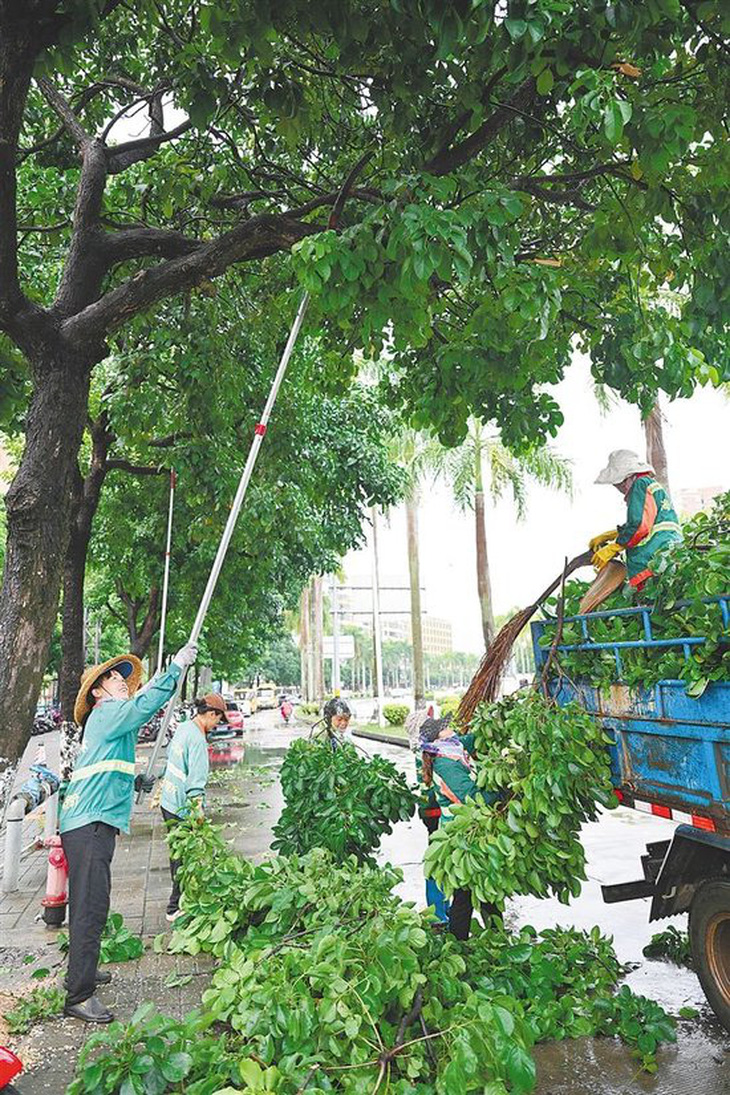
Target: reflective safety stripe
[126,767]
[171,770]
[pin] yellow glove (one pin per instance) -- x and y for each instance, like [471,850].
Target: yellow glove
[604,555]
[603,538]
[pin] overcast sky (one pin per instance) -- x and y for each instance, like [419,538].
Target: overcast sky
[524,557]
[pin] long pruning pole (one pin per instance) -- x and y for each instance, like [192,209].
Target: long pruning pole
[259,434]
[166,579]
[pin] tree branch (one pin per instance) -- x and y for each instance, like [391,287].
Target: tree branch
[136,469]
[446,161]
[252,239]
[122,156]
[64,111]
[16,67]
[140,242]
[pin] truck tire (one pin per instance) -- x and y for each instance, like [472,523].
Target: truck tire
[709,937]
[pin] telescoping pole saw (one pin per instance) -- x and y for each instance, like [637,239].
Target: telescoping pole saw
[166,579]
[259,434]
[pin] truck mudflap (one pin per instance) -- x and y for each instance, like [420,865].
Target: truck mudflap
[674,869]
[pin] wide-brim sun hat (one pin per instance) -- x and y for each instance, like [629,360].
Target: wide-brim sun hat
[128,665]
[621,464]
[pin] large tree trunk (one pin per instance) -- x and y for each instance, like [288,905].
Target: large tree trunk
[87,494]
[415,581]
[656,454]
[38,507]
[484,585]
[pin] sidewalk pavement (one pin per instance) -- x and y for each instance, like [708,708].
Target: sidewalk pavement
[248,802]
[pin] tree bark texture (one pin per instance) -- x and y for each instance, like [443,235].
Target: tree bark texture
[86,501]
[415,582]
[37,538]
[656,454]
[484,585]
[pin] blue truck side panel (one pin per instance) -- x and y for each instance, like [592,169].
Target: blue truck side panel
[669,748]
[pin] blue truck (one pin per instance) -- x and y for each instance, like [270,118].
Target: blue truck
[670,757]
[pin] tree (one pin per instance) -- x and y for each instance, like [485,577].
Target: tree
[464,468]
[416,453]
[523,162]
[656,453]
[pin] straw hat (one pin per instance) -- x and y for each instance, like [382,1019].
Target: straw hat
[127,664]
[621,464]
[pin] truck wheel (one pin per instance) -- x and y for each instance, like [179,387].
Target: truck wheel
[709,937]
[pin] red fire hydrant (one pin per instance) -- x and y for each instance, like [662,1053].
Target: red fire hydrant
[54,903]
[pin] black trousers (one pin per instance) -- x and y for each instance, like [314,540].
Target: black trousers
[173,903]
[89,851]
[460,913]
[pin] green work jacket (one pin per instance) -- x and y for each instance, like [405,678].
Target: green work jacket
[651,523]
[454,782]
[101,787]
[187,769]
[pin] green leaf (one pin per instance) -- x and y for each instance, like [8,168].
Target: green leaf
[545,82]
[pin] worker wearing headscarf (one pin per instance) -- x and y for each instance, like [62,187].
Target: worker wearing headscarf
[651,522]
[111,708]
[336,714]
[449,767]
[429,810]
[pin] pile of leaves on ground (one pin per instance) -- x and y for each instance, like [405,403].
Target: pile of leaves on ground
[550,766]
[118,943]
[688,575]
[338,798]
[328,983]
[672,945]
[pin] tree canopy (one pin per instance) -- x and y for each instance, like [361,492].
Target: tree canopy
[538,170]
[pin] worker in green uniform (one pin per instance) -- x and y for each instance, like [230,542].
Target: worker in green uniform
[429,810]
[187,774]
[110,707]
[651,522]
[448,766]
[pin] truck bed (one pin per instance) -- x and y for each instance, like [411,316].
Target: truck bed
[671,752]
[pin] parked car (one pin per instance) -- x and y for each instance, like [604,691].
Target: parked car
[235,715]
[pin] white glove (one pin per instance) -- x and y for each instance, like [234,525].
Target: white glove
[186,655]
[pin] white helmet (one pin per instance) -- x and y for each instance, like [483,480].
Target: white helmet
[621,464]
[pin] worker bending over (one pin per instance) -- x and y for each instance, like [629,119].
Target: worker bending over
[448,767]
[110,708]
[651,522]
[187,774]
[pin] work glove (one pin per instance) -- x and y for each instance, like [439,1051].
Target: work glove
[604,555]
[602,538]
[186,655]
[144,783]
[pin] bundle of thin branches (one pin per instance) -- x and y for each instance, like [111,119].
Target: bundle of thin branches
[486,681]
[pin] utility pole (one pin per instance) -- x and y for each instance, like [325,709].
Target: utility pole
[377,639]
[335,638]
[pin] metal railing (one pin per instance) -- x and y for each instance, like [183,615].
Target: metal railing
[685,642]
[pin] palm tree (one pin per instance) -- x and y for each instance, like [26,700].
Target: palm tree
[464,468]
[417,453]
[656,453]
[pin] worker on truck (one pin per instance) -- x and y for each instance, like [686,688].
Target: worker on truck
[651,522]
